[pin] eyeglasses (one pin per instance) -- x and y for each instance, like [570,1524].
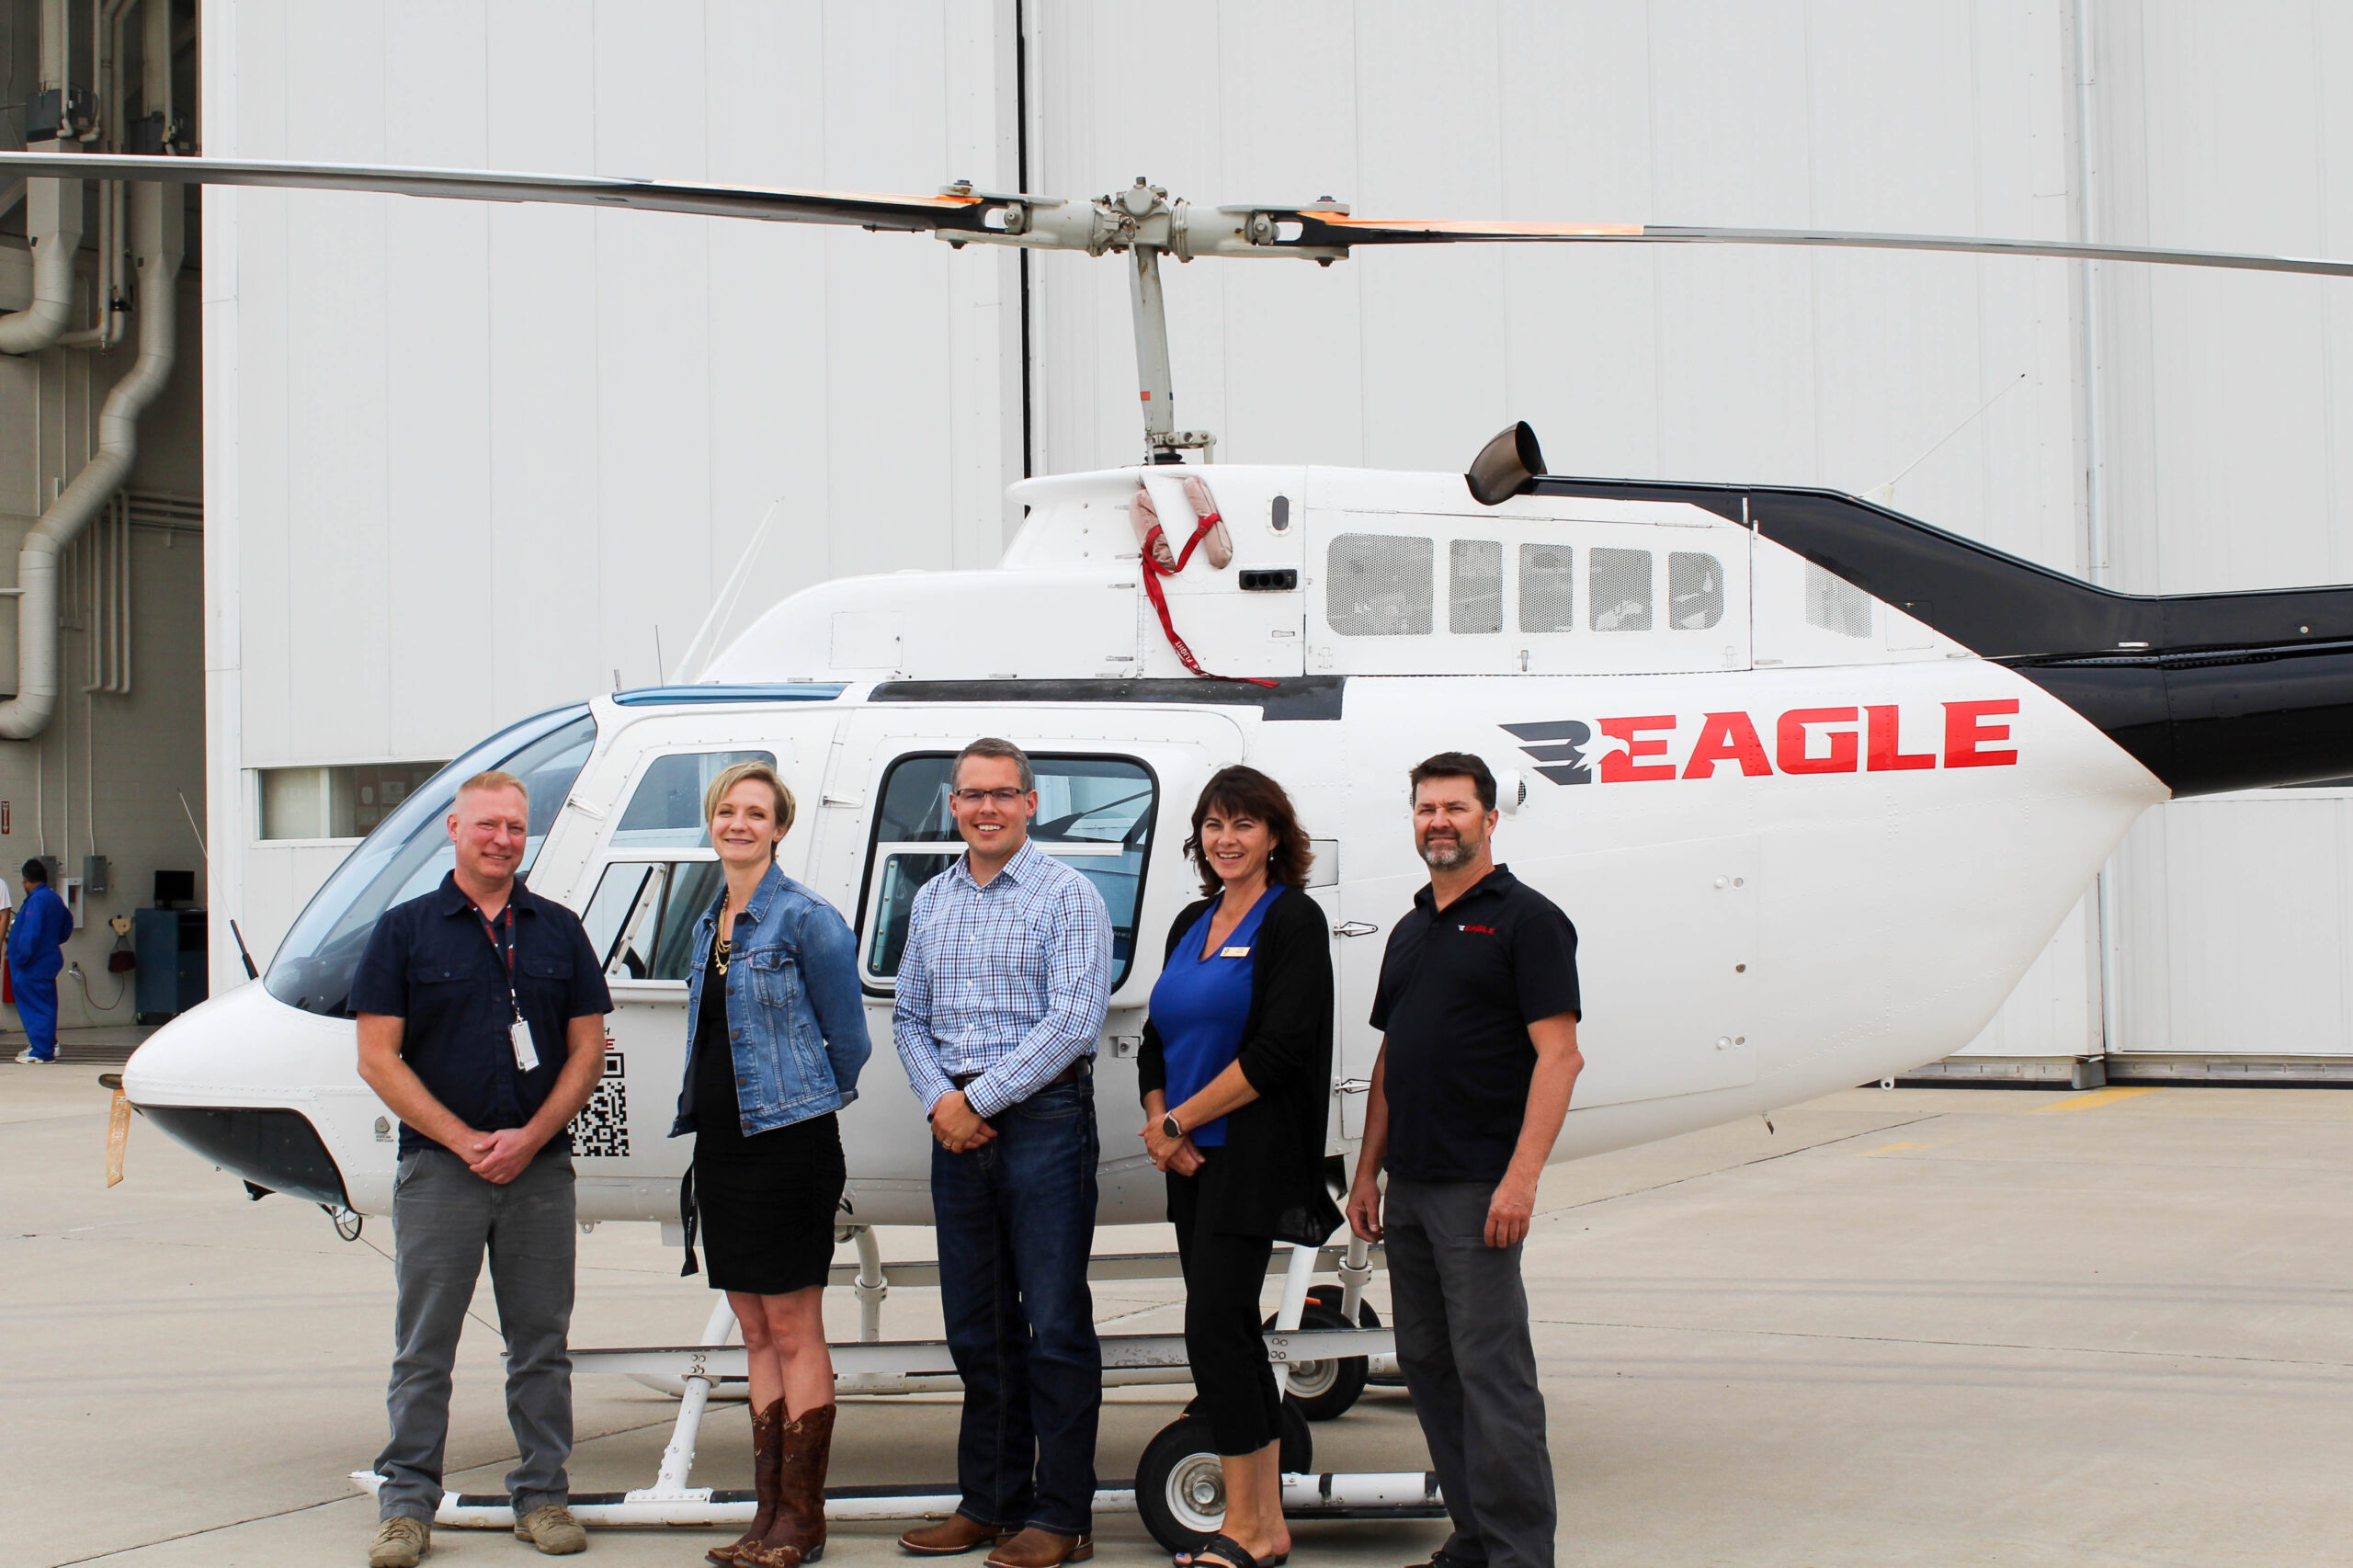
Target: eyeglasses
[975,797]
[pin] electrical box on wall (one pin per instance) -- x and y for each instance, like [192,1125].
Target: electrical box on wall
[69,889]
[93,873]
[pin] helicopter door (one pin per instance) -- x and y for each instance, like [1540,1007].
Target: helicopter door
[1113,803]
[639,898]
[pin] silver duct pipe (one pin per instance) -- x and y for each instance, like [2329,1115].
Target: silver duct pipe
[157,230]
[52,220]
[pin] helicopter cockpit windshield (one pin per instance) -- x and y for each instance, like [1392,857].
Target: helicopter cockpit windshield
[410,852]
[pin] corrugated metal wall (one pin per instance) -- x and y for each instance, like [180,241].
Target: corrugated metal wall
[605,403]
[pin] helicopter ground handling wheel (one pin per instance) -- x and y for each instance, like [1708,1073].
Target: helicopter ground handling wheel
[1180,1483]
[1326,1389]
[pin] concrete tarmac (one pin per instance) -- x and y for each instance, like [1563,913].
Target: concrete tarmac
[1916,1327]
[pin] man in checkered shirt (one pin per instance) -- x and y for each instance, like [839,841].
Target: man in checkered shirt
[1001,992]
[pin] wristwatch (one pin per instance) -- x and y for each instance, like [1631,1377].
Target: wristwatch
[1169,1129]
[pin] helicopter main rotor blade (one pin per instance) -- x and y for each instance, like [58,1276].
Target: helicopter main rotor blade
[1325,231]
[966,211]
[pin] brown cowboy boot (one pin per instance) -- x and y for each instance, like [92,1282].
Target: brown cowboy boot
[767,1456]
[798,1535]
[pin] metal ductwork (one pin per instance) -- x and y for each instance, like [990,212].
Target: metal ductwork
[52,218]
[1506,466]
[158,235]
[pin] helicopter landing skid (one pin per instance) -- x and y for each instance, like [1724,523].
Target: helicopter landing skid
[876,1366]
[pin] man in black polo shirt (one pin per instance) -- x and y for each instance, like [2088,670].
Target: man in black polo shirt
[480,1025]
[1478,1008]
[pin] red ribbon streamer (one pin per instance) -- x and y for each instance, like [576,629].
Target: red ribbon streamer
[1153,572]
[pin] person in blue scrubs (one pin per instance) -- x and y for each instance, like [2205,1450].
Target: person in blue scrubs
[36,952]
[1236,1075]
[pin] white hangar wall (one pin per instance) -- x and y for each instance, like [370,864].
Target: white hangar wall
[475,457]
[478,458]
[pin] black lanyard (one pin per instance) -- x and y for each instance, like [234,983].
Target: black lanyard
[503,950]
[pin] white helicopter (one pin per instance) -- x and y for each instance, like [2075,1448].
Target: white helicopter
[1816,780]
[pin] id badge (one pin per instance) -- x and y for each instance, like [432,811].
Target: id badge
[520,1032]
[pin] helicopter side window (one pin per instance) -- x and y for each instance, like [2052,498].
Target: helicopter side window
[1379,585]
[1617,589]
[410,852]
[1836,605]
[1548,588]
[641,916]
[1695,591]
[1095,814]
[1474,585]
[665,810]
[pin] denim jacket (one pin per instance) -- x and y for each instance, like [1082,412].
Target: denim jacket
[795,1013]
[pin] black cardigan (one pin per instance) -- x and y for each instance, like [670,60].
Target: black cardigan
[1267,1180]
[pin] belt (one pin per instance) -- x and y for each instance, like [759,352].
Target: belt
[1082,1067]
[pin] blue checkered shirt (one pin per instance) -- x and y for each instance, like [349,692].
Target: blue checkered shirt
[1008,980]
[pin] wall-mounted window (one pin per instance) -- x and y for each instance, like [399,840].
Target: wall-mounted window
[336,802]
[1548,588]
[1618,588]
[1379,585]
[1474,585]
[1695,591]
[1836,605]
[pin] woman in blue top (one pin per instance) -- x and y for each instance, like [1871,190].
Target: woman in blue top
[775,1038]
[1236,1071]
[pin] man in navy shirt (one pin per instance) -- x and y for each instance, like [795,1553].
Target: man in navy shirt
[480,1025]
[36,952]
[1478,1006]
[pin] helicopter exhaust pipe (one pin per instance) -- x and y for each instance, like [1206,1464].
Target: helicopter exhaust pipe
[1506,467]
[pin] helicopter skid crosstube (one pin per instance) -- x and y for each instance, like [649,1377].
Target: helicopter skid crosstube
[1399,1495]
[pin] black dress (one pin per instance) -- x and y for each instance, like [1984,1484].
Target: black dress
[767,1201]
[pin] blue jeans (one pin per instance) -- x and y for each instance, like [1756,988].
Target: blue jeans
[1016,1224]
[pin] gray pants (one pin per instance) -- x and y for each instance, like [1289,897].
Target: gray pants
[1462,1320]
[444,1216]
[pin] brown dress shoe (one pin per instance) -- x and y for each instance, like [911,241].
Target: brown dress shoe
[1034,1548]
[957,1532]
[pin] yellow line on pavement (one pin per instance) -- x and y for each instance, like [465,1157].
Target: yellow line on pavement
[1892,1148]
[2098,1098]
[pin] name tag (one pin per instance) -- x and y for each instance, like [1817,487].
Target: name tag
[520,1032]
[1233,952]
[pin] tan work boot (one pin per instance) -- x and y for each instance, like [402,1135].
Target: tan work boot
[552,1529]
[400,1542]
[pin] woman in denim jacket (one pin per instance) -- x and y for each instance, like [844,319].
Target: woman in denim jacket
[777,1036]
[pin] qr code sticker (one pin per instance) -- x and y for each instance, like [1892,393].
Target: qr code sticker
[601,1130]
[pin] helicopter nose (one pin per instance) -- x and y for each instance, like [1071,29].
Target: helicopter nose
[231,1078]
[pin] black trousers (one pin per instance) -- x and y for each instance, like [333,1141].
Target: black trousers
[1224,1277]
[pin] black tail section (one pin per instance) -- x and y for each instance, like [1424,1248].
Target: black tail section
[2208,691]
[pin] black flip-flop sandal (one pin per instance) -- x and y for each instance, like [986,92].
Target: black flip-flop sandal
[1225,1549]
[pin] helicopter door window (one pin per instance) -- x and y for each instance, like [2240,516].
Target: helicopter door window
[1474,585]
[1548,588]
[410,852]
[641,916]
[1379,585]
[1095,814]
[1836,605]
[665,810]
[1695,591]
[1618,588]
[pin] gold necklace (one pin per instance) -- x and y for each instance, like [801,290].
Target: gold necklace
[725,946]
